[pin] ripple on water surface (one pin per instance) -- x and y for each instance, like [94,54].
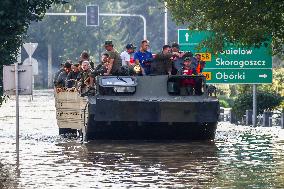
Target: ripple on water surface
[240,157]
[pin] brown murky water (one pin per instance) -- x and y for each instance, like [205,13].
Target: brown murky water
[240,157]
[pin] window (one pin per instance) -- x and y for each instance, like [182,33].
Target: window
[117,85]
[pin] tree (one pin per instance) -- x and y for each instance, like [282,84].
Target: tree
[15,18]
[69,36]
[266,101]
[122,30]
[249,23]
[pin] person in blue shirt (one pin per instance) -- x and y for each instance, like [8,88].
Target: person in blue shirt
[144,58]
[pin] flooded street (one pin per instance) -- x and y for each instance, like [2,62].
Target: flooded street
[240,157]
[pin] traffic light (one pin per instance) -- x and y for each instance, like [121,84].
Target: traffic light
[92,16]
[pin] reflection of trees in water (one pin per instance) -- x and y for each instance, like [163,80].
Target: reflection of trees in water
[7,177]
[163,163]
[251,160]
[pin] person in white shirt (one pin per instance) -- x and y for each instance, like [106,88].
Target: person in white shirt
[127,55]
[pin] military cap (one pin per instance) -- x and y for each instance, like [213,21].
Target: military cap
[108,42]
[187,59]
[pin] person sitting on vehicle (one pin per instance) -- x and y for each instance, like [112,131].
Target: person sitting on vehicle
[114,59]
[187,85]
[85,80]
[73,76]
[61,80]
[101,68]
[127,58]
[177,57]
[57,73]
[85,56]
[162,63]
[144,58]
[200,64]
[192,58]
[127,55]
[199,69]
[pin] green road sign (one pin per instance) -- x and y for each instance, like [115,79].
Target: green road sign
[241,76]
[232,58]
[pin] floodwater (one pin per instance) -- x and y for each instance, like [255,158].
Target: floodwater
[240,157]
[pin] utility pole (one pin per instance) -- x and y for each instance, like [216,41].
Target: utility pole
[254,106]
[166,23]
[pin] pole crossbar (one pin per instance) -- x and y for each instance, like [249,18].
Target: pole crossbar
[102,14]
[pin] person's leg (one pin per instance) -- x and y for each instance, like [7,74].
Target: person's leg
[189,90]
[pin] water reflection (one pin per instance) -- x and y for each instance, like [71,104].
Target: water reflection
[240,157]
[148,164]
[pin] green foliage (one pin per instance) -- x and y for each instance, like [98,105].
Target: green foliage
[15,17]
[277,82]
[223,89]
[63,30]
[250,23]
[224,104]
[265,101]
[226,101]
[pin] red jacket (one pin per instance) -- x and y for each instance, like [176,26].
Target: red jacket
[187,82]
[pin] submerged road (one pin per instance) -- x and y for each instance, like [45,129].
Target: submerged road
[240,157]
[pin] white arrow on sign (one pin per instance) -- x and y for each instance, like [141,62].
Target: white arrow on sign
[186,37]
[263,76]
[30,48]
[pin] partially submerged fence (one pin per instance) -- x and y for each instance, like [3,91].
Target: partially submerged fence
[267,119]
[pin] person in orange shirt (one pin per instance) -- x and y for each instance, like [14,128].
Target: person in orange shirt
[199,68]
[200,64]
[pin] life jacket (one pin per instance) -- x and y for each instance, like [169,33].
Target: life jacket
[198,68]
[187,82]
[186,71]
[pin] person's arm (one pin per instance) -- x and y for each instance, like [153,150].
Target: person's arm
[137,62]
[142,70]
[109,67]
[56,76]
[59,81]
[127,59]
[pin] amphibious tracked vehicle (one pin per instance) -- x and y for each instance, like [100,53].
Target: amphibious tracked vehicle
[139,107]
[150,107]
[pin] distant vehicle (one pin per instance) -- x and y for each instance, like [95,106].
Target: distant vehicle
[148,108]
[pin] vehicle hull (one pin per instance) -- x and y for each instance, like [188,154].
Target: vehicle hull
[152,119]
[151,131]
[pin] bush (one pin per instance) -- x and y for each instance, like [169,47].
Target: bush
[224,104]
[266,101]
[225,101]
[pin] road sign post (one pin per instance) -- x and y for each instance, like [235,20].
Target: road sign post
[30,49]
[17,80]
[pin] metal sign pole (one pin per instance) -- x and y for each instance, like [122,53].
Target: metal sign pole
[17,110]
[166,24]
[31,51]
[254,105]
